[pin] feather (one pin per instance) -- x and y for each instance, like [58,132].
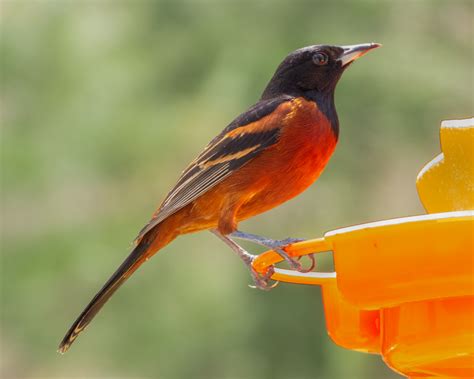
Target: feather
[241,141]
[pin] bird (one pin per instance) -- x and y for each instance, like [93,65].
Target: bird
[266,156]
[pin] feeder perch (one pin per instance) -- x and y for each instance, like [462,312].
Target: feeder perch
[404,288]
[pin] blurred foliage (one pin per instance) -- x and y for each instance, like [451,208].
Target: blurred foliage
[103,104]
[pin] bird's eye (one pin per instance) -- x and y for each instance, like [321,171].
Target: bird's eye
[320,59]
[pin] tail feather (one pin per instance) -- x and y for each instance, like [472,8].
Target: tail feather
[129,265]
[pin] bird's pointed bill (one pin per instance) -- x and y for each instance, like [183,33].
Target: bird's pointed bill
[353,52]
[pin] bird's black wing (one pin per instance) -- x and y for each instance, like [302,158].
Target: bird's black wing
[241,141]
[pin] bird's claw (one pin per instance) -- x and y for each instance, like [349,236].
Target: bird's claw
[262,282]
[295,263]
[279,247]
[313,263]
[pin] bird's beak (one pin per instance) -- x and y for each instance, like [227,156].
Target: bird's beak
[352,52]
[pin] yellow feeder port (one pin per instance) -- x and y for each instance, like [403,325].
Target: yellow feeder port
[404,288]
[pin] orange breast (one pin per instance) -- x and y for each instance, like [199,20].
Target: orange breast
[286,169]
[278,174]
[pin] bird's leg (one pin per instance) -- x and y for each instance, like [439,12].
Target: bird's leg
[261,281]
[264,241]
[277,246]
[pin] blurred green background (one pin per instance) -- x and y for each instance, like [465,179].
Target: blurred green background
[105,102]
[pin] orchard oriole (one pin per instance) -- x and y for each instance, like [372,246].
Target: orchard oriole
[266,156]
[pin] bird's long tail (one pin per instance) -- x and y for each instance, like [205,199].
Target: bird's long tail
[138,255]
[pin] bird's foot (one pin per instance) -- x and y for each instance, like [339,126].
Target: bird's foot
[262,282]
[279,247]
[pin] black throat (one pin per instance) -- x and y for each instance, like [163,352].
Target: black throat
[325,103]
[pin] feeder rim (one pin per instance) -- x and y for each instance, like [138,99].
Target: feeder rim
[401,220]
[459,123]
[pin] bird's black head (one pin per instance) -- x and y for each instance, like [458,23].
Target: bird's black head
[314,69]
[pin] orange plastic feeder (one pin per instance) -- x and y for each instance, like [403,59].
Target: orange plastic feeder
[404,288]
